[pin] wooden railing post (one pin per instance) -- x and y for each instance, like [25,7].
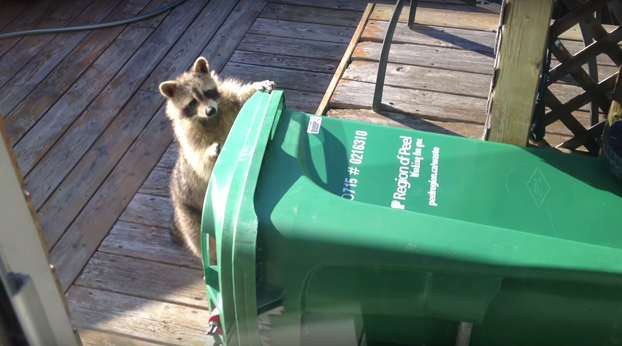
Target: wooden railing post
[521,42]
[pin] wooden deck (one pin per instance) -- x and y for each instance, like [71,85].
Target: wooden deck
[439,74]
[86,122]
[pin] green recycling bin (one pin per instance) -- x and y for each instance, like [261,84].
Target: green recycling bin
[335,232]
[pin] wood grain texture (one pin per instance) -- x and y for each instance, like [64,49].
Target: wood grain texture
[409,122]
[149,210]
[446,81]
[345,60]
[286,62]
[302,100]
[517,70]
[479,41]
[423,78]
[43,85]
[428,56]
[306,31]
[293,47]
[455,16]
[130,276]
[148,243]
[157,183]
[308,14]
[82,238]
[424,104]
[169,157]
[139,317]
[445,15]
[33,46]
[284,78]
[28,19]
[189,46]
[31,69]
[11,10]
[58,206]
[53,122]
[98,338]
[359,5]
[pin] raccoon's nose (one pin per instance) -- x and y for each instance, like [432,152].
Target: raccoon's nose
[209,111]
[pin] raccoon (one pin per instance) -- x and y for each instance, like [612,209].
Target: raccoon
[202,109]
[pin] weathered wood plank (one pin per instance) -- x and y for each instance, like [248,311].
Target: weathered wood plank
[11,11]
[149,210]
[465,17]
[157,183]
[185,52]
[36,46]
[144,279]
[218,48]
[445,81]
[359,5]
[479,41]
[56,70]
[345,60]
[28,19]
[517,68]
[93,338]
[83,237]
[58,117]
[423,78]
[428,56]
[305,31]
[148,243]
[315,15]
[424,104]
[302,100]
[474,131]
[287,79]
[293,47]
[82,133]
[285,62]
[394,119]
[141,318]
[473,18]
[65,201]
[169,157]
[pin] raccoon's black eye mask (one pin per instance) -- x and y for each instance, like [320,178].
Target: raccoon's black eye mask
[211,94]
[191,109]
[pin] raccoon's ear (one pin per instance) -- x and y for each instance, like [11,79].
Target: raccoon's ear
[201,65]
[168,88]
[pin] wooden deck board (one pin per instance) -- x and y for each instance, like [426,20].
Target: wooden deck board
[64,58]
[143,318]
[27,20]
[98,338]
[73,12]
[130,276]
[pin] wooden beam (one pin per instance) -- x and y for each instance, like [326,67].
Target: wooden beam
[615,110]
[522,40]
[345,60]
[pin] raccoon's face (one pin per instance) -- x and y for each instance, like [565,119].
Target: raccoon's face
[193,95]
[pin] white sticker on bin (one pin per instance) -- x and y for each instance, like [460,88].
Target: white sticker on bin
[315,122]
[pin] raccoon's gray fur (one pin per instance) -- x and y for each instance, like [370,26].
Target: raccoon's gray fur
[202,109]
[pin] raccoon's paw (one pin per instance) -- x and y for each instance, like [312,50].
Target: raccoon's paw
[266,85]
[213,151]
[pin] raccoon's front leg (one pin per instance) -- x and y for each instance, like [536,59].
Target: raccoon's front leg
[212,152]
[250,89]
